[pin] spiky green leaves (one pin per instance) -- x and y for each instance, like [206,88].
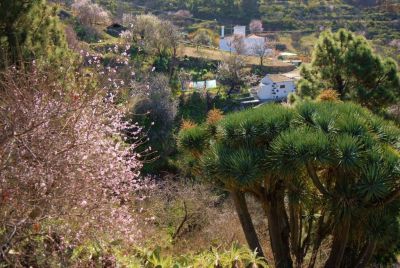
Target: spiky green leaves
[193,139]
[235,168]
[334,144]
[335,159]
[294,148]
[255,127]
[375,183]
[348,152]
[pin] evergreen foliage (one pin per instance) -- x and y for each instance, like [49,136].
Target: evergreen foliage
[339,155]
[346,63]
[29,30]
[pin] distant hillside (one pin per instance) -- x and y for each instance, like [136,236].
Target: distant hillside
[371,3]
[376,19]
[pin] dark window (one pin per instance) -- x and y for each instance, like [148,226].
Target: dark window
[282,86]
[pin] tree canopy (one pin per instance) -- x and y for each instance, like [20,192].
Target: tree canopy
[336,163]
[346,63]
[29,30]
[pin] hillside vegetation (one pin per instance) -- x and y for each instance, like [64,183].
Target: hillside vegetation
[115,153]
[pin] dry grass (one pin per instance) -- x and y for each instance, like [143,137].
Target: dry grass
[187,124]
[328,95]
[214,116]
[188,218]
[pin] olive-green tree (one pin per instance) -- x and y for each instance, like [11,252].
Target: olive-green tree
[346,63]
[29,30]
[319,170]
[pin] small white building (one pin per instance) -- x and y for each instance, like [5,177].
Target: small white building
[275,87]
[251,43]
[289,57]
[209,84]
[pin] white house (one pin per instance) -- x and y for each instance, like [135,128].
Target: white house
[251,43]
[276,87]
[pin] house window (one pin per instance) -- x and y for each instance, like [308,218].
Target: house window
[282,86]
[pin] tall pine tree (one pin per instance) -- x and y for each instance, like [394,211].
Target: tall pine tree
[346,63]
[29,29]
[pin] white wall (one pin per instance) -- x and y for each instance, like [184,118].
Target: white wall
[269,91]
[209,84]
[249,43]
[225,44]
[239,30]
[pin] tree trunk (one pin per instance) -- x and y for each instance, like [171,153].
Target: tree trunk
[246,222]
[321,233]
[295,232]
[341,236]
[14,46]
[278,230]
[366,254]
[314,253]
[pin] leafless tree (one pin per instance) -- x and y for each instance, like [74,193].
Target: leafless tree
[202,38]
[256,26]
[184,77]
[261,50]
[238,45]
[233,73]
[171,36]
[153,35]
[183,14]
[91,14]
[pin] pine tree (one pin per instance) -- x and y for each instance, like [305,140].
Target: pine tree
[29,29]
[346,63]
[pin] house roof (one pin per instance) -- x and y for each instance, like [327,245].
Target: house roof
[295,74]
[255,36]
[277,78]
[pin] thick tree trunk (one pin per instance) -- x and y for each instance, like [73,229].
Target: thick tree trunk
[321,233]
[341,236]
[278,230]
[314,253]
[296,232]
[246,222]
[366,254]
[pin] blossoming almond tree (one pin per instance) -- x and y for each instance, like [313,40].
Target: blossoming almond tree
[63,162]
